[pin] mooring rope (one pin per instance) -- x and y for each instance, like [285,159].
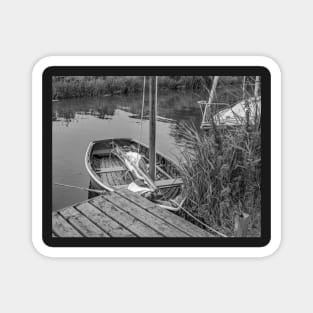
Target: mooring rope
[203,224]
[170,208]
[82,188]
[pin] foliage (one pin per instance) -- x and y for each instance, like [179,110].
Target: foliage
[221,170]
[89,86]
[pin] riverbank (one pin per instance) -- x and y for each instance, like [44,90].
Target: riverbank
[66,87]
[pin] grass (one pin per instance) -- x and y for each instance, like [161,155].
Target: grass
[64,87]
[221,171]
[91,86]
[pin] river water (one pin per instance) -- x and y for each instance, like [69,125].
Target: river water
[77,122]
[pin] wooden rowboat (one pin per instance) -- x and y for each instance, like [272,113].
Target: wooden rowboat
[125,163]
[108,172]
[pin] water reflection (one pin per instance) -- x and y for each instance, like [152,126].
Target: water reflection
[70,110]
[175,106]
[77,122]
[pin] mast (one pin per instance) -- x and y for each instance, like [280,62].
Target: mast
[256,86]
[152,129]
[211,97]
[244,88]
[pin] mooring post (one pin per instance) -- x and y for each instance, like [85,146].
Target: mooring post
[152,129]
[257,86]
[241,224]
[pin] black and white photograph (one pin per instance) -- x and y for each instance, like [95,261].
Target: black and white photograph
[156,156]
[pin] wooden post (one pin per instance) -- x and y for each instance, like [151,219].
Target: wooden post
[244,88]
[207,110]
[256,86]
[245,103]
[241,222]
[152,129]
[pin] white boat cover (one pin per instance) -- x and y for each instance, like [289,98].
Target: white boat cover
[137,189]
[133,158]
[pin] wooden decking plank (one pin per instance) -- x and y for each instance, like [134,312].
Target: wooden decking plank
[149,219]
[103,221]
[135,198]
[62,228]
[121,214]
[169,217]
[179,222]
[128,221]
[82,223]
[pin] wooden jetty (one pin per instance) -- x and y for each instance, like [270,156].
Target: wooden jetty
[121,213]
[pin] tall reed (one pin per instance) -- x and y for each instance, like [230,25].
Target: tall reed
[90,86]
[221,171]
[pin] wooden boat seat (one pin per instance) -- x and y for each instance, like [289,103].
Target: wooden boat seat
[164,183]
[101,152]
[111,169]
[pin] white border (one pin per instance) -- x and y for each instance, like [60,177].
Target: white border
[134,252]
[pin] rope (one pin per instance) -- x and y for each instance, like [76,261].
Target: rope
[82,188]
[203,224]
[170,208]
[142,107]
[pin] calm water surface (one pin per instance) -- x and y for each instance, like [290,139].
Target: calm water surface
[77,122]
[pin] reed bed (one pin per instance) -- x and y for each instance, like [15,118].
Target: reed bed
[221,171]
[91,86]
[64,87]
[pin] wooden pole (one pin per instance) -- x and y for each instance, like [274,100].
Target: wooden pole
[246,103]
[244,88]
[241,225]
[152,129]
[211,97]
[256,86]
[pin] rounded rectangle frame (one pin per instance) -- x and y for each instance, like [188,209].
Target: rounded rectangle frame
[218,249]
